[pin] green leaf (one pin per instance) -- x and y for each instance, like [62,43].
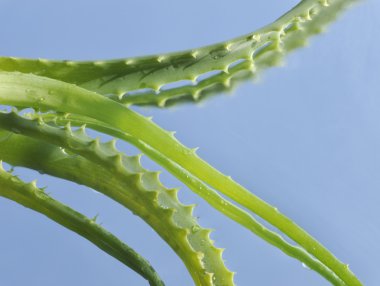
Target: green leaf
[38,92]
[146,80]
[123,179]
[30,196]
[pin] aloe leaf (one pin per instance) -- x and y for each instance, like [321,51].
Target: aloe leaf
[144,80]
[218,202]
[30,196]
[33,91]
[37,129]
[126,182]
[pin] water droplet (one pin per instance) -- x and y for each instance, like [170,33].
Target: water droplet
[195,228]
[218,53]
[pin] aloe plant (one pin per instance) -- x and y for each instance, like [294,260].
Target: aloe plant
[69,96]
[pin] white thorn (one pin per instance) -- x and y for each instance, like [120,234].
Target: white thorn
[160,59]
[195,54]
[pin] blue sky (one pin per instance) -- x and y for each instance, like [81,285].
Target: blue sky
[305,137]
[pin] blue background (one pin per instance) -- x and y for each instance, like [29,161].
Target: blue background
[305,138]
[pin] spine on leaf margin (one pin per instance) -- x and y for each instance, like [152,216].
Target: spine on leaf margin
[33,91]
[213,198]
[30,196]
[141,192]
[145,80]
[260,49]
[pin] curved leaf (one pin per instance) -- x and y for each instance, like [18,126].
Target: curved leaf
[33,91]
[144,80]
[124,180]
[30,196]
